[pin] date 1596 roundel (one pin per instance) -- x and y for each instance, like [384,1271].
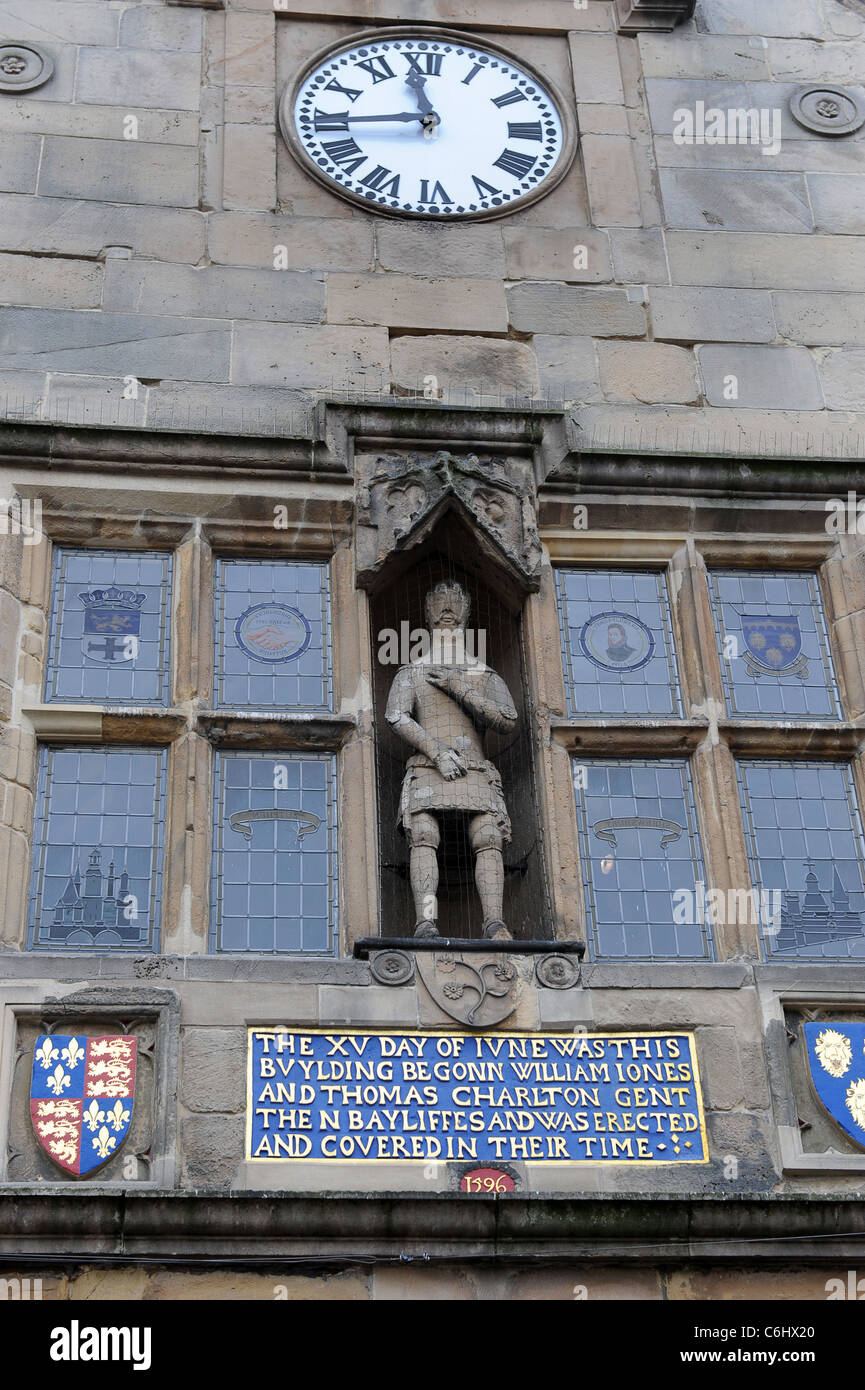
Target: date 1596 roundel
[428,124]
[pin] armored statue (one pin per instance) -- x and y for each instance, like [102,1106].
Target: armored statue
[440,705]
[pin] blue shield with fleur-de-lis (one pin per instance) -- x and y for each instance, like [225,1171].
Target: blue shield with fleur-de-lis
[81,1098]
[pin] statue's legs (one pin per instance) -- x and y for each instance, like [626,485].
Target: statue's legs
[486,841]
[424,837]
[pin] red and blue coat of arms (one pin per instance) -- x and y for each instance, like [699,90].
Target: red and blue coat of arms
[81,1098]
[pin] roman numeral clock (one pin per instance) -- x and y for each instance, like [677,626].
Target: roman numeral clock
[428,124]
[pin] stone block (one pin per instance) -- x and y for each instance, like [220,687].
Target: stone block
[311,243]
[228,409]
[156,30]
[249,167]
[667,95]
[547,253]
[803,60]
[611,181]
[97,122]
[752,260]
[712,315]
[134,344]
[8,638]
[602,120]
[652,373]
[843,376]
[597,74]
[403,301]
[547,16]
[58,284]
[19,163]
[39,20]
[119,171]
[566,309]
[767,378]
[213,1069]
[838,202]
[638,256]
[782,18]
[318,359]
[567,369]
[171,81]
[747,1285]
[571,1008]
[248,38]
[414,249]
[692,55]
[720,1072]
[249,106]
[96,400]
[382,1005]
[475,365]
[98,1285]
[212,1148]
[739,202]
[240,1286]
[279,296]
[58,226]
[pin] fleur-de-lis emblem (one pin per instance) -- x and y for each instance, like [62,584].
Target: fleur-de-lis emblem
[104,1142]
[117,1117]
[58,1080]
[47,1054]
[73,1053]
[93,1116]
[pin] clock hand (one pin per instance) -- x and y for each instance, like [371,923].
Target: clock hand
[398,116]
[431,118]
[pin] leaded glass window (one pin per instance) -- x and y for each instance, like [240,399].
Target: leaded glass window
[110,627]
[617,644]
[274,879]
[97,848]
[804,835]
[642,860]
[272,635]
[775,659]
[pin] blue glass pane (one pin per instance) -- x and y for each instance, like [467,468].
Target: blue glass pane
[274,879]
[97,849]
[617,644]
[272,635]
[110,627]
[642,861]
[775,659]
[804,838]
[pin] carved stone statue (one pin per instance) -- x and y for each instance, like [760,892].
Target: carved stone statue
[440,706]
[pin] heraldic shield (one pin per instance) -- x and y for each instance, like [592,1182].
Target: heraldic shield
[836,1056]
[774,642]
[81,1098]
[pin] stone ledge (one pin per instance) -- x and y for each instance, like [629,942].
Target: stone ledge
[638,16]
[134,969]
[89,1223]
[667,976]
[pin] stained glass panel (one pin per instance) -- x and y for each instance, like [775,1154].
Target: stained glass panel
[642,860]
[804,835]
[272,635]
[110,627]
[274,879]
[774,649]
[617,644]
[97,848]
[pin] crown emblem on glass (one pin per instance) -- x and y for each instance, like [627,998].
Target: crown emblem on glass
[118,598]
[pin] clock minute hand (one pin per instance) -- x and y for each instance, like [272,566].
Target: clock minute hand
[397,116]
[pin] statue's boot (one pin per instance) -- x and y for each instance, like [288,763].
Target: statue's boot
[426,928]
[496,931]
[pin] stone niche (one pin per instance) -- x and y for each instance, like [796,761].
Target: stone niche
[422,519]
[818,1132]
[26,1160]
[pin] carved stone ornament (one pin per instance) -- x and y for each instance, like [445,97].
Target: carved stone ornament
[828,110]
[23,66]
[477,990]
[400,500]
[557,972]
[636,16]
[392,967]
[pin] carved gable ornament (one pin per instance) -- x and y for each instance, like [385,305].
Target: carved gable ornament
[400,499]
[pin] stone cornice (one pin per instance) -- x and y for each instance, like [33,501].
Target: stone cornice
[638,16]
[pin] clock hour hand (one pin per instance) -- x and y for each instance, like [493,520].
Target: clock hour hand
[417,82]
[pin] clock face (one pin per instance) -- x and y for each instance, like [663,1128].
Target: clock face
[425,124]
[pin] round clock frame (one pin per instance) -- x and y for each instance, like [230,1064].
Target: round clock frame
[465,40]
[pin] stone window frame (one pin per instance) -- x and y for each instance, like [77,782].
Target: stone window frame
[191,728]
[706,736]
